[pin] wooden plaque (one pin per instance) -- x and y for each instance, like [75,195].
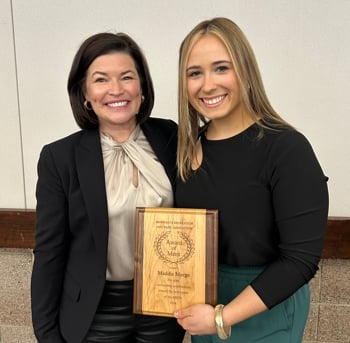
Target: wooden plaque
[175,259]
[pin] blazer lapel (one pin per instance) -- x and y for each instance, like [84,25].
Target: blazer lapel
[91,176]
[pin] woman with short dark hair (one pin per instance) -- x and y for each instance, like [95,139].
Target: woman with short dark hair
[89,185]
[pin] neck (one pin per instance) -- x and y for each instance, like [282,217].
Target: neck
[119,133]
[226,127]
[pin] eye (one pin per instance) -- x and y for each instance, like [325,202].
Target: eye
[127,77]
[222,68]
[193,73]
[100,80]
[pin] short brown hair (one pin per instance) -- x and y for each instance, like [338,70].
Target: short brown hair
[93,47]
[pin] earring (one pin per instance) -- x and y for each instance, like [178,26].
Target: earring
[142,98]
[87,105]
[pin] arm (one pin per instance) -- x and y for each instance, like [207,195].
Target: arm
[199,319]
[300,205]
[50,250]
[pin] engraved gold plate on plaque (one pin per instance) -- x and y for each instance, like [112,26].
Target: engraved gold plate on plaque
[175,259]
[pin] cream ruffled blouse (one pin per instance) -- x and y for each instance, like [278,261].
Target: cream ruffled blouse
[134,177]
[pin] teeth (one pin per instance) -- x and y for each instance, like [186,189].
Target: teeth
[213,101]
[117,104]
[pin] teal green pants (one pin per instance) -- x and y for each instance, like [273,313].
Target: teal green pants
[284,323]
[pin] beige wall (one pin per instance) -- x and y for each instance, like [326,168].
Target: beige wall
[303,49]
[328,320]
[11,173]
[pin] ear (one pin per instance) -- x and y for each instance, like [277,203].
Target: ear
[86,97]
[84,91]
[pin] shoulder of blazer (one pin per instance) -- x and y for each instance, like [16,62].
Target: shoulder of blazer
[160,132]
[162,136]
[64,149]
[75,139]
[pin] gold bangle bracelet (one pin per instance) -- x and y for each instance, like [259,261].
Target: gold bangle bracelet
[220,324]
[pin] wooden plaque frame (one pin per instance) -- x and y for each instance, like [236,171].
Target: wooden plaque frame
[176,259]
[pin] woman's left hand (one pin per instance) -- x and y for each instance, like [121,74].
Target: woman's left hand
[197,319]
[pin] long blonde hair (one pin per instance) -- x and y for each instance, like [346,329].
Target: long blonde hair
[250,82]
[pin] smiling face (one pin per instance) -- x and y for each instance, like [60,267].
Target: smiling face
[212,85]
[113,88]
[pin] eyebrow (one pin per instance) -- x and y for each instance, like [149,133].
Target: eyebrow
[214,63]
[105,74]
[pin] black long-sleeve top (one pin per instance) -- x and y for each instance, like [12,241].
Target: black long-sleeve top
[272,198]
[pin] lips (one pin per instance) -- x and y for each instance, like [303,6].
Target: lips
[213,101]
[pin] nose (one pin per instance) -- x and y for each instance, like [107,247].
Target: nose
[208,83]
[116,87]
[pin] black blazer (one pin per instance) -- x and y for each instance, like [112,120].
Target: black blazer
[72,229]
